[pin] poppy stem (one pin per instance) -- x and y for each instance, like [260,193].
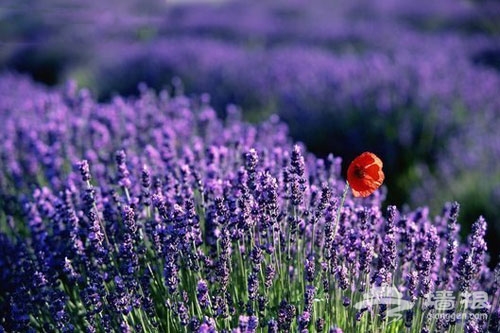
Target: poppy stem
[339,208]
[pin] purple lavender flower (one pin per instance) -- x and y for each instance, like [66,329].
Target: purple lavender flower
[272,326]
[309,298]
[194,324]
[256,257]
[243,323]
[253,323]
[320,324]
[304,320]
[251,160]
[471,326]
[206,328]
[146,185]
[342,277]
[452,243]
[182,312]
[270,273]
[223,207]
[297,162]
[309,266]
[123,173]
[286,314]
[465,269]
[411,281]
[85,170]
[202,294]
[253,286]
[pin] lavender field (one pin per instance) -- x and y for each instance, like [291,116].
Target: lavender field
[170,167]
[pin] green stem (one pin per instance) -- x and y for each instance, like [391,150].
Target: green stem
[339,209]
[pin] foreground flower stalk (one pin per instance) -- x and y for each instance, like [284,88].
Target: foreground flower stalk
[189,223]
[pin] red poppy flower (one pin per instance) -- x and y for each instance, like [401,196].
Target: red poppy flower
[365,174]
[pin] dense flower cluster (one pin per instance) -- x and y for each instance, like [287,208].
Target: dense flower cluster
[151,214]
[325,71]
[415,70]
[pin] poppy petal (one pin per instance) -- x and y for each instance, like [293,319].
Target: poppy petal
[365,174]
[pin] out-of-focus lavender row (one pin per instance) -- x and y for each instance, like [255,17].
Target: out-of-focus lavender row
[44,131]
[152,214]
